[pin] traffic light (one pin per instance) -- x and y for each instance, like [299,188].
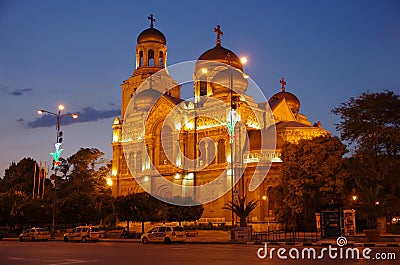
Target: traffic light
[59,137]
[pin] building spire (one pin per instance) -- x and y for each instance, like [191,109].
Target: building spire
[152,20]
[219,33]
[283,83]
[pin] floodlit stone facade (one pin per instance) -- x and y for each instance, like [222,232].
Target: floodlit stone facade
[149,96]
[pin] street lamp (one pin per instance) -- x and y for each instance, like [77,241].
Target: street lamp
[56,154]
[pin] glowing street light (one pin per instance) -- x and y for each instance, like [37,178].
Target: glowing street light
[57,153]
[109,182]
[243,59]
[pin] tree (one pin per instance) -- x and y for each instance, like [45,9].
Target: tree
[372,122]
[177,213]
[11,204]
[140,207]
[146,208]
[88,170]
[18,177]
[241,209]
[312,179]
[78,208]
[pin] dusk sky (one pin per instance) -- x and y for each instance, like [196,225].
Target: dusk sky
[79,52]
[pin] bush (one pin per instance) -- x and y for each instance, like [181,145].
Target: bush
[393,229]
[209,226]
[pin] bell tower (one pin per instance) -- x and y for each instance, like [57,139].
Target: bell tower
[151,55]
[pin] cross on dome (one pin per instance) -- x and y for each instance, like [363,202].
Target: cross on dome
[219,33]
[152,20]
[283,83]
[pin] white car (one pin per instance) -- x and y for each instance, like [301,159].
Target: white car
[34,234]
[83,233]
[166,234]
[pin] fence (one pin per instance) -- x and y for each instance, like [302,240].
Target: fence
[285,236]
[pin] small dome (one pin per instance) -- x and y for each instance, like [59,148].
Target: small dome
[147,98]
[292,101]
[151,35]
[222,78]
[220,54]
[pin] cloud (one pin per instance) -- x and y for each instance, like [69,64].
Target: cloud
[16,92]
[88,114]
[20,92]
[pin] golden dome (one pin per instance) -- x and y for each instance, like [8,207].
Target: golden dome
[151,35]
[222,79]
[147,98]
[220,54]
[292,101]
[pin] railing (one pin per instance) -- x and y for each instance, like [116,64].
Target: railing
[285,236]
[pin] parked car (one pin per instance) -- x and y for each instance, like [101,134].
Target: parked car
[34,234]
[166,234]
[83,233]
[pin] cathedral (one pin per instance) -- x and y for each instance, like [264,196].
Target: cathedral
[218,145]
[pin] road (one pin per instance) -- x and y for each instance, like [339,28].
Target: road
[106,253]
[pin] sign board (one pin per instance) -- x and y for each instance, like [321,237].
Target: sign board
[330,224]
[349,218]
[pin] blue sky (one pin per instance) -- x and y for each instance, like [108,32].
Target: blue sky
[79,52]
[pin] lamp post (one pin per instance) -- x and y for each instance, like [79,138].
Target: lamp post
[56,154]
[232,120]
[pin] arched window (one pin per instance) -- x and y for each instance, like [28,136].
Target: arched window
[165,144]
[203,86]
[211,152]
[140,58]
[139,162]
[150,58]
[203,154]
[161,60]
[221,151]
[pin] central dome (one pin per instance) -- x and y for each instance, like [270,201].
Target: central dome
[147,98]
[222,55]
[151,35]
[223,78]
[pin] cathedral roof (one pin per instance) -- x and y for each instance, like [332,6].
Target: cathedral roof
[151,35]
[221,54]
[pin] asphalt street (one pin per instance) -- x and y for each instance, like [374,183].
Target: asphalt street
[105,253]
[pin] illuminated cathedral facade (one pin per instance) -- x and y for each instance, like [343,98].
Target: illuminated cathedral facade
[213,151]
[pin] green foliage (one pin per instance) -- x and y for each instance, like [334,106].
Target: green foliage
[312,178]
[372,122]
[81,196]
[177,213]
[11,204]
[19,177]
[241,209]
[142,207]
[208,226]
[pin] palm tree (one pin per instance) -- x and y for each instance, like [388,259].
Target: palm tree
[241,209]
